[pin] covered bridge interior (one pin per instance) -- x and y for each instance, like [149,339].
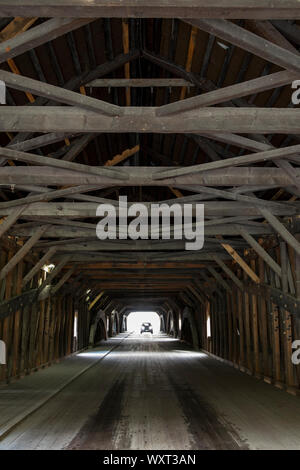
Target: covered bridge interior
[163,102]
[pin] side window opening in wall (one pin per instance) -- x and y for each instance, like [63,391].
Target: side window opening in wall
[208,327]
[2,352]
[75,330]
[75,324]
[208,323]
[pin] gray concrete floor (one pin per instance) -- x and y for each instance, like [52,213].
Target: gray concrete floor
[153,393]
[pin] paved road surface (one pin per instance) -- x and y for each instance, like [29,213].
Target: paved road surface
[156,393]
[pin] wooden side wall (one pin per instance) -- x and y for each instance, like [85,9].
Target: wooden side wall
[251,330]
[41,333]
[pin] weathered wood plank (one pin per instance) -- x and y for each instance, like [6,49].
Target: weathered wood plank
[49,195]
[249,177]
[246,304]
[55,93]
[139,83]
[56,271]
[17,326]
[78,146]
[11,219]
[291,31]
[241,262]
[88,209]
[90,233]
[10,306]
[16,26]
[281,230]
[80,80]
[260,251]
[268,31]
[269,155]
[276,355]
[263,320]
[40,141]
[62,164]
[123,156]
[256,146]
[201,121]
[255,330]
[231,92]
[264,9]
[38,35]
[228,271]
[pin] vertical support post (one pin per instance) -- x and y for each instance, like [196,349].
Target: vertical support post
[70,325]
[234,328]
[284,266]
[125,28]
[52,329]
[24,339]
[17,324]
[241,328]
[264,324]
[47,330]
[190,55]
[297,267]
[32,336]
[276,346]
[257,368]
[288,334]
[41,332]
[230,328]
[297,288]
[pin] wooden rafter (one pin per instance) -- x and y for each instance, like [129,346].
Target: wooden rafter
[52,92]
[45,259]
[231,92]
[139,83]
[249,41]
[45,176]
[38,35]
[22,252]
[144,120]
[241,262]
[263,9]
[88,209]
